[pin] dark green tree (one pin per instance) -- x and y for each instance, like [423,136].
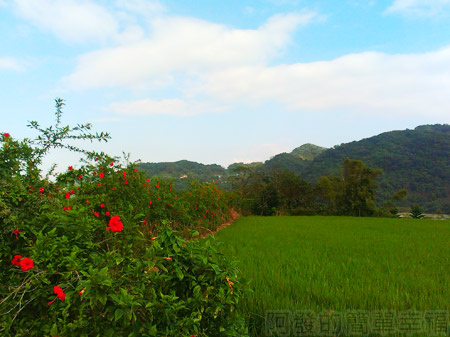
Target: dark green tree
[416,212]
[356,195]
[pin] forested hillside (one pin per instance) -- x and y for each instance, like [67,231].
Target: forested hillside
[418,160]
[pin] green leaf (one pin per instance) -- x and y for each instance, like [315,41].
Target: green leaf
[54,330]
[179,273]
[102,298]
[118,314]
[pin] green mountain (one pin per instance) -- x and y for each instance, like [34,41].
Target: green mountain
[182,171]
[418,160]
[308,151]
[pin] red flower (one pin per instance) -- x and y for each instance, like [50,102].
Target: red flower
[101,175]
[87,202]
[135,170]
[168,258]
[124,173]
[102,205]
[41,190]
[59,292]
[81,292]
[115,225]
[157,186]
[6,135]
[26,263]
[79,177]
[72,192]
[67,195]
[96,159]
[96,214]
[16,231]
[107,213]
[148,180]
[70,168]
[112,164]
[16,260]
[150,202]
[125,182]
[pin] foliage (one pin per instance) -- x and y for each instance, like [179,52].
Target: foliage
[89,255]
[416,212]
[280,192]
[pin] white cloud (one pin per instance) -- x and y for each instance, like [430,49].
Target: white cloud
[9,63]
[370,82]
[70,20]
[142,7]
[173,106]
[419,7]
[187,45]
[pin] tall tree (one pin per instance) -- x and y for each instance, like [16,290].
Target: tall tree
[357,192]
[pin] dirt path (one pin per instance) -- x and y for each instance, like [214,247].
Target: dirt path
[233,217]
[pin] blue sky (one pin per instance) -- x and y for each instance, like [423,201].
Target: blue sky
[224,81]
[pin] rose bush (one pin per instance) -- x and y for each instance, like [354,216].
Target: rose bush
[96,252]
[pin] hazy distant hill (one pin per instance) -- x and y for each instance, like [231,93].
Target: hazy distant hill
[184,170]
[418,160]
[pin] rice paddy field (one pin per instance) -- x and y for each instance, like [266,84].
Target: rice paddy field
[326,265]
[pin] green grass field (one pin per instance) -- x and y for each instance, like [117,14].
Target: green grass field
[340,263]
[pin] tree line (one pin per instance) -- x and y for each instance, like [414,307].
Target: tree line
[281,192]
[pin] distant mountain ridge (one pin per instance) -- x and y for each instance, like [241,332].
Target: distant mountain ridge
[308,151]
[418,160]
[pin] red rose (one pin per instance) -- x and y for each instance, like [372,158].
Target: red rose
[6,135]
[26,263]
[102,205]
[16,260]
[112,164]
[101,175]
[70,168]
[96,214]
[67,195]
[107,213]
[125,182]
[124,173]
[115,225]
[79,177]
[135,170]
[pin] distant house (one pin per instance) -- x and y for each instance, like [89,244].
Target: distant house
[184,176]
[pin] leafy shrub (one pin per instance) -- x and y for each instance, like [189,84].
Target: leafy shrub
[92,253]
